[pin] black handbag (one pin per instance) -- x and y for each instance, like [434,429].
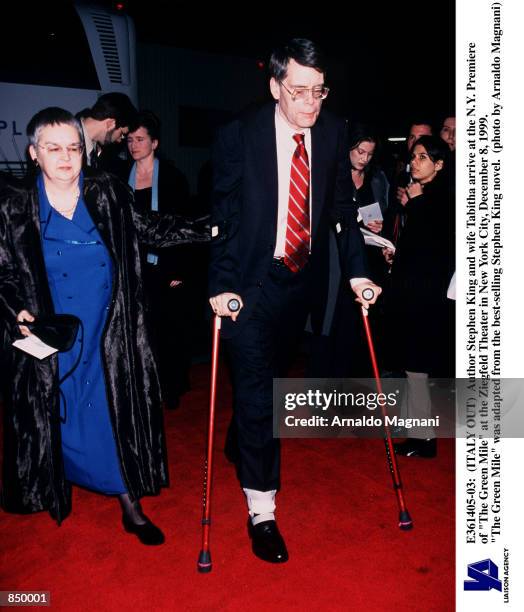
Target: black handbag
[58,330]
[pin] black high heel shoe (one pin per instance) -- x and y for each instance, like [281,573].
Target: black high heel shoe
[147,533]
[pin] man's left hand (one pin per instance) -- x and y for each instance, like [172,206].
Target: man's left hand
[361,287]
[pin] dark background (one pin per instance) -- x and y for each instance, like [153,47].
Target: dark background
[387,63]
[392,61]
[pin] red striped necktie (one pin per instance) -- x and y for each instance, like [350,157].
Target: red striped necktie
[298,232]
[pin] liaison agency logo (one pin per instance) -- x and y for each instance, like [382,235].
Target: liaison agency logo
[485,576]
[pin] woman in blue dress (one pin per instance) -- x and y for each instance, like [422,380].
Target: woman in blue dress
[91,415]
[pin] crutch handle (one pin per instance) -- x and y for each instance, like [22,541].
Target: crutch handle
[233,305]
[368,294]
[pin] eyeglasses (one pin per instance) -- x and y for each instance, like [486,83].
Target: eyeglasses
[301,93]
[54,149]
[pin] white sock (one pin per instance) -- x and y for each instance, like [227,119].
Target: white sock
[262,504]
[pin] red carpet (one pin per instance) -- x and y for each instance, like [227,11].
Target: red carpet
[337,512]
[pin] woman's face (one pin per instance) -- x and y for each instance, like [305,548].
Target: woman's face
[58,152]
[361,155]
[140,144]
[423,169]
[447,133]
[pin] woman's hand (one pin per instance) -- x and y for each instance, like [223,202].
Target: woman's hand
[402,196]
[414,190]
[24,315]
[375,226]
[389,255]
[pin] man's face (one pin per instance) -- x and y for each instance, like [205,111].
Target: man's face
[116,135]
[301,112]
[110,133]
[416,132]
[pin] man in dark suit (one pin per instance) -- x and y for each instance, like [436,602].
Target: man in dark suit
[105,125]
[280,173]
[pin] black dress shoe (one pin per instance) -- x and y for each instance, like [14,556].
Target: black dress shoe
[147,533]
[266,541]
[415,447]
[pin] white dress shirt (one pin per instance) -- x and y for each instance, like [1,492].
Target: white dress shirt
[286,146]
[89,144]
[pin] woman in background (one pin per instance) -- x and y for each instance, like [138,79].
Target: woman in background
[423,265]
[160,187]
[340,350]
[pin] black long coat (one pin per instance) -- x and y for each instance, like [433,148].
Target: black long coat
[421,323]
[33,472]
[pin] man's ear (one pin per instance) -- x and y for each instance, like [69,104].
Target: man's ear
[275,88]
[110,123]
[32,153]
[154,143]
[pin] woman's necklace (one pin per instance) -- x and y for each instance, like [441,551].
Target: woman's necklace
[67,211]
[358,178]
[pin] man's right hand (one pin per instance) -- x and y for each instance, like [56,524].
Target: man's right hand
[219,304]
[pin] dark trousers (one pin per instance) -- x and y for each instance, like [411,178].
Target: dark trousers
[260,351]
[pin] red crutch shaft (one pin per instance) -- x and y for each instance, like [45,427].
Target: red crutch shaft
[204,564]
[405,521]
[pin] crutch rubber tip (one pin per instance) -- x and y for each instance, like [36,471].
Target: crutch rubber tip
[204,564]
[404,521]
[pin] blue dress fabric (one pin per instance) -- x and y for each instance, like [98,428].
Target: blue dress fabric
[79,271]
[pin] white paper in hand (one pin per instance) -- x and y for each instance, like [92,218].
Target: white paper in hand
[371,212]
[35,347]
[375,240]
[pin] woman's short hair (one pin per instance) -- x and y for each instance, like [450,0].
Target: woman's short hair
[149,121]
[53,115]
[436,148]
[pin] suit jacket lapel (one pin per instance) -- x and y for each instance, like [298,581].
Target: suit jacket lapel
[266,160]
[318,174]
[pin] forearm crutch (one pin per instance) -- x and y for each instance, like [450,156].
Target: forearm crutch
[405,523]
[204,564]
